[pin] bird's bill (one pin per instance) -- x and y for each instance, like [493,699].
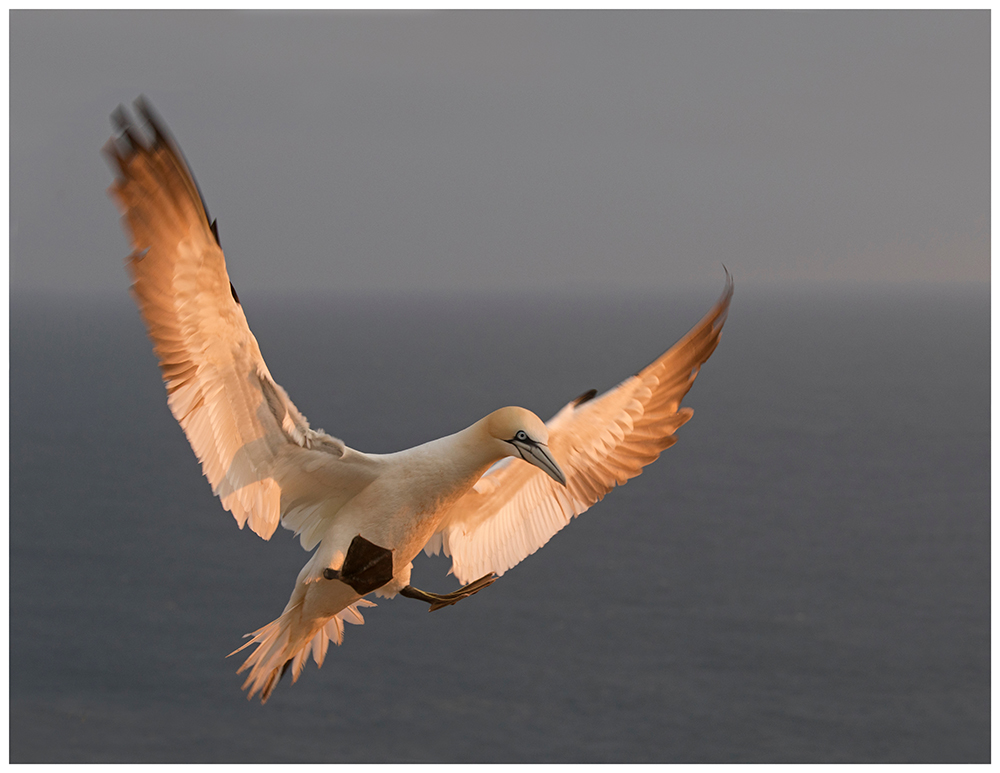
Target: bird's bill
[539,455]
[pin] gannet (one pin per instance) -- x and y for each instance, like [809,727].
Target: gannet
[488,496]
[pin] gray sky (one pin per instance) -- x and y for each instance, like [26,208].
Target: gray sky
[352,152]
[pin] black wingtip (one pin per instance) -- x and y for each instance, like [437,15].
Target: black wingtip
[149,115]
[128,142]
[162,136]
[120,119]
[727,292]
[113,154]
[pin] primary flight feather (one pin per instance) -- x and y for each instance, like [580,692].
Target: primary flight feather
[488,496]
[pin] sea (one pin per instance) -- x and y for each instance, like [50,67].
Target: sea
[804,577]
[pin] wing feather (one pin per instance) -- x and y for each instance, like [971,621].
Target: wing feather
[256,449]
[600,442]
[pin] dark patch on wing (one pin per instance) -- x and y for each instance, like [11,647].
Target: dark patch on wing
[215,230]
[590,394]
[235,296]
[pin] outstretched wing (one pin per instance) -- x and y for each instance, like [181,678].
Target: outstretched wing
[255,448]
[515,508]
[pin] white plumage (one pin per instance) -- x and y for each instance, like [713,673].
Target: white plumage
[367,515]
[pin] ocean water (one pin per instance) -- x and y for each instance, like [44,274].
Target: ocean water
[803,577]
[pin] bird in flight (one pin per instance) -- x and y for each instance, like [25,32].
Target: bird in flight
[488,496]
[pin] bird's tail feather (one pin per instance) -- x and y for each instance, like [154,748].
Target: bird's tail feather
[286,643]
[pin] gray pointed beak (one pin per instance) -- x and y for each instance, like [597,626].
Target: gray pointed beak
[539,455]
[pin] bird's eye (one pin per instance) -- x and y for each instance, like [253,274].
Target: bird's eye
[521,435]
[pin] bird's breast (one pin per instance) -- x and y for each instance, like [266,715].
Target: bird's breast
[406,505]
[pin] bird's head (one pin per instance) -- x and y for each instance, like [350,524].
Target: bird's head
[525,436]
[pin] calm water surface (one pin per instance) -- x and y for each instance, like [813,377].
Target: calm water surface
[804,577]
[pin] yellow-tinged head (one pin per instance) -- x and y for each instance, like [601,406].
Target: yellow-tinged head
[505,423]
[526,436]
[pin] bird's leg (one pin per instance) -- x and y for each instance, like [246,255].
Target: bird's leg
[437,601]
[367,566]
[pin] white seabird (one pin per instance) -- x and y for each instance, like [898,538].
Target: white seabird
[367,515]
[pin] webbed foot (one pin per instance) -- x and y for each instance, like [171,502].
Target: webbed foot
[437,601]
[367,566]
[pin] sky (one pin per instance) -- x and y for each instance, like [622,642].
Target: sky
[515,152]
